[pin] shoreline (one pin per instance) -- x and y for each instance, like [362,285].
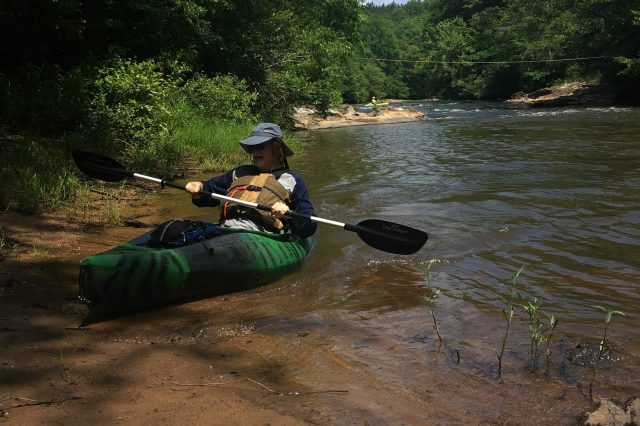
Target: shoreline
[565,94]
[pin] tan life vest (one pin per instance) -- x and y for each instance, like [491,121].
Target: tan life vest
[261,189]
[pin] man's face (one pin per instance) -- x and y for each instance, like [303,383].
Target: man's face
[266,156]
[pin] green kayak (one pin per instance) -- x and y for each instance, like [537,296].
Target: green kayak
[137,275]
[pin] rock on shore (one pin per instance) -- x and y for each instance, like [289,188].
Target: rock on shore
[572,93]
[309,119]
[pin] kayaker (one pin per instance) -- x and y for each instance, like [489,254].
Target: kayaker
[374,104]
[268,181]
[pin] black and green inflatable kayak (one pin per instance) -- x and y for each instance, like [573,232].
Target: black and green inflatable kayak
[139,275]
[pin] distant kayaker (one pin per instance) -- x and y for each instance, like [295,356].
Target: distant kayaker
[268,181]
[374,104]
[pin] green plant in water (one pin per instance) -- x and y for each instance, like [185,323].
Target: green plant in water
[508,314]
[548,337]
[431,305]
[541,333]
[536,327]
[431,299]
[604,347]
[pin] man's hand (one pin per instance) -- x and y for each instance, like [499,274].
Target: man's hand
[194,188]
[279,210]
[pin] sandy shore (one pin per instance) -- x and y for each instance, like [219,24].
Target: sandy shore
[53,372]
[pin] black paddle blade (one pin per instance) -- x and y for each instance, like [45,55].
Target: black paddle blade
[100,167]
[388,236]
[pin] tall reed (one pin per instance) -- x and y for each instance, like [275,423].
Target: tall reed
[508,314]
[548,336]
[536,327]
[431,302]
[604,346]
[431,299]
[541,333]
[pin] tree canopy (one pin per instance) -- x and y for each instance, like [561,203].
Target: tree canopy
[66,62]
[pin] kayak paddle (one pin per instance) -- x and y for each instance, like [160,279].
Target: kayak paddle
[380,234]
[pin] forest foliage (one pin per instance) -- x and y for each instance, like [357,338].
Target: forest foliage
[130,71]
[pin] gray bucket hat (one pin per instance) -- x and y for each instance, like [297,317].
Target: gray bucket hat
[264,132]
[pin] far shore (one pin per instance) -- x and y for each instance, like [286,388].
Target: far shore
[570,93]
[309,119]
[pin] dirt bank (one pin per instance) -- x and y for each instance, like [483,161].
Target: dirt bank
[233,360]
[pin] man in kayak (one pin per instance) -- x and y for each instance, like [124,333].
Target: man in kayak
[268,181]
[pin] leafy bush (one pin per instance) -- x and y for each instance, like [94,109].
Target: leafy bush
[224,98]
[141,109]
[128,103]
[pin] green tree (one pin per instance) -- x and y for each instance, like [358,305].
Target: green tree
[450,52]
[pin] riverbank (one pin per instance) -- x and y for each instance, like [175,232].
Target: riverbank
[226,360]
[53,372]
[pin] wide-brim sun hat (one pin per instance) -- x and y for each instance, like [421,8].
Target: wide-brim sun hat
[264,132]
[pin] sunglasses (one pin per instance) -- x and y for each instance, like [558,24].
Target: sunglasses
[259,147]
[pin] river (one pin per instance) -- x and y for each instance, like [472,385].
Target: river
[553,191]
[556,191]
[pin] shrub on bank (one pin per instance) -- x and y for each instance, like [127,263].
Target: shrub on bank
[127,105]
[225,98]
[145,116]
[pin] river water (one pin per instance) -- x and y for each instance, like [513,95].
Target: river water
[555,191]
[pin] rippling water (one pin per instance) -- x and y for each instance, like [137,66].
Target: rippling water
[554,190]
[557,191]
